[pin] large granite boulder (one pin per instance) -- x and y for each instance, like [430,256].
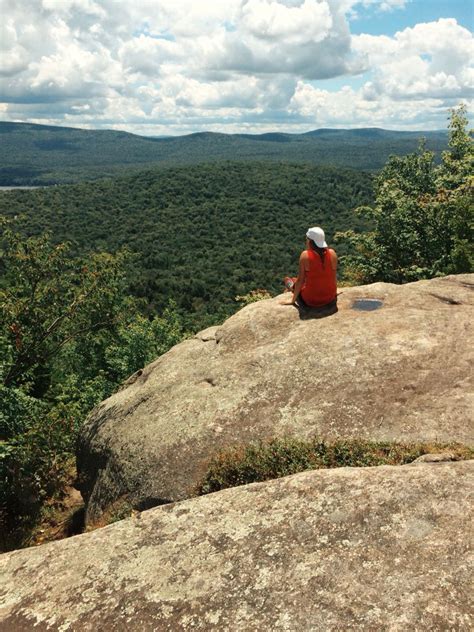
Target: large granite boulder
[383,549]
[401,373]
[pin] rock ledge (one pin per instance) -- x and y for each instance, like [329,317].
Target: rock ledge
[399,373]
[383,548]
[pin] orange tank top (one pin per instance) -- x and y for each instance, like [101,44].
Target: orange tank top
[320,286]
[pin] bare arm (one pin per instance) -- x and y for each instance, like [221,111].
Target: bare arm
[300,280]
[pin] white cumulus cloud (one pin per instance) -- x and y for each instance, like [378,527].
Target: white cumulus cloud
[180,65]
[269,19]
[429,60]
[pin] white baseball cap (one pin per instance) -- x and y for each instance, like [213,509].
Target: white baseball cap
[317,235]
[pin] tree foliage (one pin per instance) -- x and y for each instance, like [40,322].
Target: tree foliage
[422,218]
[69,335]
[200,235]
[50,299]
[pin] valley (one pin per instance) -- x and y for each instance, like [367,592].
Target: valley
[200,235]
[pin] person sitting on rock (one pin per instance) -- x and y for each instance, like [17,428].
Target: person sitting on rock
[316,284]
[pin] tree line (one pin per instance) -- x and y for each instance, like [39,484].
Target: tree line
[40,154]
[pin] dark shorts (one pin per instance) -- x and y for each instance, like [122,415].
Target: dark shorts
[301,303]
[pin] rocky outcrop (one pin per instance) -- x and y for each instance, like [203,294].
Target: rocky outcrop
[400,372]
[383,548]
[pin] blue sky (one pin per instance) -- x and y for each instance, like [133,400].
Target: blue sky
[171,67]
[415,11]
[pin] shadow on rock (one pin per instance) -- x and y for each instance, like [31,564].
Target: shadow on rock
[308,313]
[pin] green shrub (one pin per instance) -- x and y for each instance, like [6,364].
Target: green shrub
[284,456]
[34,466]
[17,412]
[69,336]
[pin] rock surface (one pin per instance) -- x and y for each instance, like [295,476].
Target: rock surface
[401,372]
[382,549]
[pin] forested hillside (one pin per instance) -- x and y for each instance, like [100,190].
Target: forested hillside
[201,235]
[39,154]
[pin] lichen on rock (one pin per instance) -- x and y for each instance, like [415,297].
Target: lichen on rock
[383,548]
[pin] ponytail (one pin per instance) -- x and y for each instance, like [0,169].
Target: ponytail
[321,251]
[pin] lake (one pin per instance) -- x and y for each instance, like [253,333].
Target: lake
[19,188]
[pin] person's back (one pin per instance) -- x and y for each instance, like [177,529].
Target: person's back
[320,283]
[316,283]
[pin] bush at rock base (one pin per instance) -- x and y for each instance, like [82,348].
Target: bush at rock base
[284,456]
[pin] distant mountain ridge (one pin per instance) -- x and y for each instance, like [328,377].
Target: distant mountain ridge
[45,154]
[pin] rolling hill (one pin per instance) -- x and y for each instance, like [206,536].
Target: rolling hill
[39,154]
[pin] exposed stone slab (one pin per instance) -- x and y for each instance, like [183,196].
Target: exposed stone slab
[402,372]
[383,549]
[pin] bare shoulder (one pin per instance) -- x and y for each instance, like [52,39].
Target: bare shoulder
[304,263]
